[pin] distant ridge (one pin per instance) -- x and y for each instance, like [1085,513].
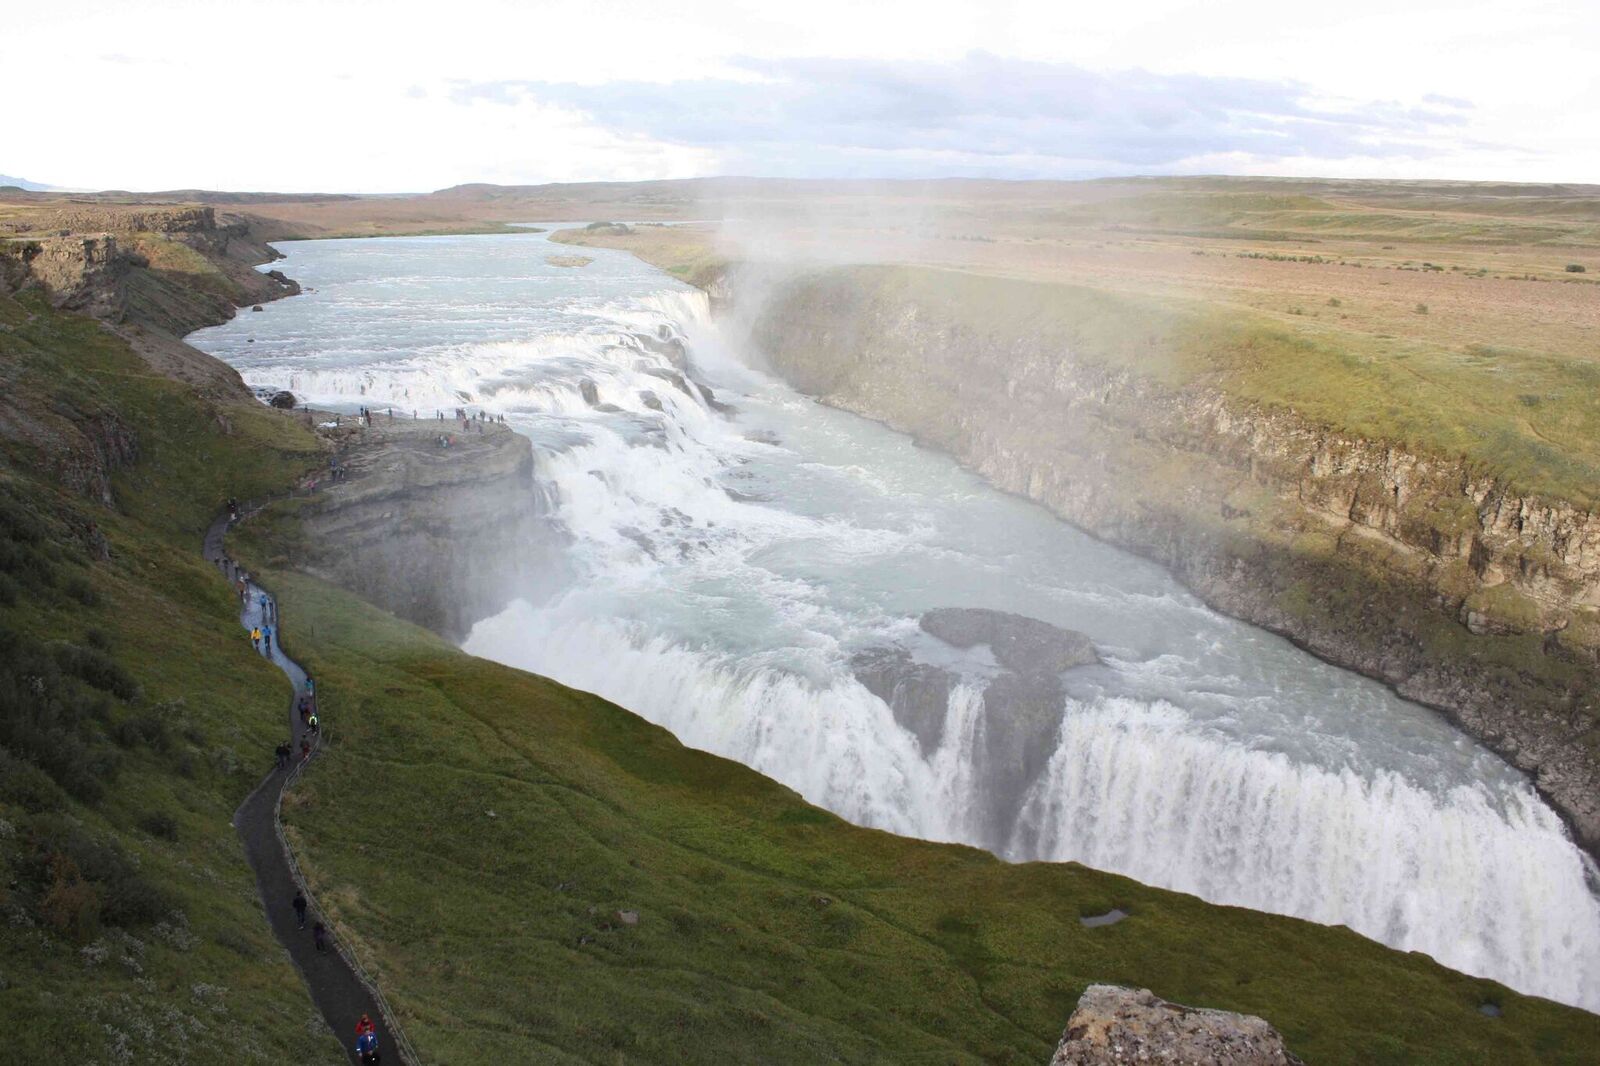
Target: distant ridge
[26,185]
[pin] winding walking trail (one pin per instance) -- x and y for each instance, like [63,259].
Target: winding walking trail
[337,989]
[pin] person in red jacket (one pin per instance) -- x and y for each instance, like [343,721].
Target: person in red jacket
[364,1025]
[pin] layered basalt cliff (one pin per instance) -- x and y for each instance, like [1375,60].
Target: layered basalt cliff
[441,536]
[172,270]
[1459,590]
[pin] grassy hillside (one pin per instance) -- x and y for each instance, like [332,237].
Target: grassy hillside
[477,830]
[133,719]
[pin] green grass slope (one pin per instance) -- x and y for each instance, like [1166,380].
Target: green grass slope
[477,830]
[133,720]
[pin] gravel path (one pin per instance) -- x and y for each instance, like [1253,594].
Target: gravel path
[337,989]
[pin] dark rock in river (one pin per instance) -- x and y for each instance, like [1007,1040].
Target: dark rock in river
[1022,707]
[590,392]
[674,377]
[283,401]
[917,693]
[711,400]
[1021,719]
[1019,643]
[666,345]
[650,400]
[1118,1025]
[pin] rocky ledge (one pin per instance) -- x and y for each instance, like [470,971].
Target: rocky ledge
[1121,1025]
[440,535]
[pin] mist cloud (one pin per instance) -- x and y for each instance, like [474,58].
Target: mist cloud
[989,115]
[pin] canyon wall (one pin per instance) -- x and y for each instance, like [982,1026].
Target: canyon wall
[442,537]
[1416,569]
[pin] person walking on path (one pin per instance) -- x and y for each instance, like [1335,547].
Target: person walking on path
[283,755]
[299,905]
[266,641]
[364,1025]
[305,750]
[319,936]
[367,1049]
[313,725]
[255,637]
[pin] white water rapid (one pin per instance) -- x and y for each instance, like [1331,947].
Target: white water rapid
[724,566]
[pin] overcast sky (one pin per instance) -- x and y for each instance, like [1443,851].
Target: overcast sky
[398,95]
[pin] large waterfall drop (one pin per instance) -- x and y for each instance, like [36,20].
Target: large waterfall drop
[732,547]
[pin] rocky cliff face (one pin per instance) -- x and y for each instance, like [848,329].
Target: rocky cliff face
[78,273]
[1119,1025]
[169,269]
[1462,592]
[440,536]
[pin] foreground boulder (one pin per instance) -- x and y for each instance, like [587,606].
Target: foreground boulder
[1118,1025]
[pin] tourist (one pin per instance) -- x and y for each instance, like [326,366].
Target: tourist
[255,637]
[364,1025]
[299,905]
[367,1049]
[282,753]
[319,936]
[305,753]
[266,641]
[313,725]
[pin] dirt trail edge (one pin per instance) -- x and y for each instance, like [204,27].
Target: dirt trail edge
[338,987]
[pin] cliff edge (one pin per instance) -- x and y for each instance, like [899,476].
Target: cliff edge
[436,525]
[1428,571]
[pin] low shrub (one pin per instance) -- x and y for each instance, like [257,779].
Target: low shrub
[160,824]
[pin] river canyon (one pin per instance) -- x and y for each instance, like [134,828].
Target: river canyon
[724,556]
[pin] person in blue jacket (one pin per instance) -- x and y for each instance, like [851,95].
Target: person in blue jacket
[367,1049]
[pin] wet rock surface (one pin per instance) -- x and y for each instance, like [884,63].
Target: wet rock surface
[1020,643]
[917,693]
[1121,1025]
[1022,705]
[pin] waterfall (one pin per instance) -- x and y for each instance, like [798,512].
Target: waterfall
[728,563]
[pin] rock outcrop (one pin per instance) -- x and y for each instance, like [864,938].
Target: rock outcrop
[1021,644]
[1022,705]
[1114,1026]
[1419,570]
[441,536]
[77,272]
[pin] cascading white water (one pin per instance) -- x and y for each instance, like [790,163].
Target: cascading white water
[727,567]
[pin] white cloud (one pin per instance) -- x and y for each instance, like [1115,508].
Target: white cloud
[340,95]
